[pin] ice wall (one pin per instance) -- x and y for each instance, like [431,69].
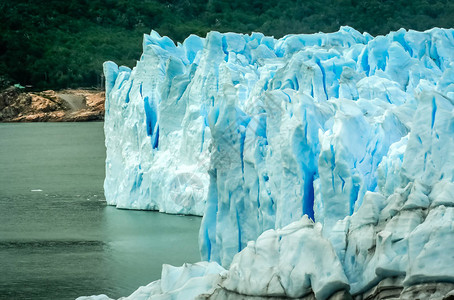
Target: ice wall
[353,131]
[157,138]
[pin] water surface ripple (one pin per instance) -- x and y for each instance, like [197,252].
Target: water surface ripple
[58,238]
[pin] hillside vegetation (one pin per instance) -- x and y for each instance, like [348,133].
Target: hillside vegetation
[60,44]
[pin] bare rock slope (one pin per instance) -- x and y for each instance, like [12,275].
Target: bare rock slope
[51,106]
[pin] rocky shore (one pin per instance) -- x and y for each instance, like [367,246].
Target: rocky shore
[51,106]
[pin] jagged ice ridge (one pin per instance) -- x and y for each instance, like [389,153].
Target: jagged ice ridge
[252,132]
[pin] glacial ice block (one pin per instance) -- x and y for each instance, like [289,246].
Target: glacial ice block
[405,229]
[354,132]
[289,262]
[177,283]
[156,155]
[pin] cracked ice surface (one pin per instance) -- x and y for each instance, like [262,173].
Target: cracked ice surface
[252,132]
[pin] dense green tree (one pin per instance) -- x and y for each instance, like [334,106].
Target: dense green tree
[59,44]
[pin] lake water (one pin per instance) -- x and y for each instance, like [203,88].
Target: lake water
[58,239]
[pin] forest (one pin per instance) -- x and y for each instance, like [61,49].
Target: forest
[54,44]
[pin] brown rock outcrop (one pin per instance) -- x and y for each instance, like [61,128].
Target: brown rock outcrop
[51,106]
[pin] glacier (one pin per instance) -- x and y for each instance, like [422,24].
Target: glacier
[321,163]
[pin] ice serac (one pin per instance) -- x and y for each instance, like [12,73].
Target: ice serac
[328,150]
[157,157]
[293,262]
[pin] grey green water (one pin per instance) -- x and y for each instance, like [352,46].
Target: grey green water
[58,238]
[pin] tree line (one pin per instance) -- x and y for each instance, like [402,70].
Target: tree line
[60,44]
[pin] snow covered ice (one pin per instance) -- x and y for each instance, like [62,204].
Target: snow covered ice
[264,137]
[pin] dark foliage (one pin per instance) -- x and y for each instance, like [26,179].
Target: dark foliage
[58,44]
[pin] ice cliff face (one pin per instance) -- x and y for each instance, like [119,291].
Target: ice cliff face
[353,131]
